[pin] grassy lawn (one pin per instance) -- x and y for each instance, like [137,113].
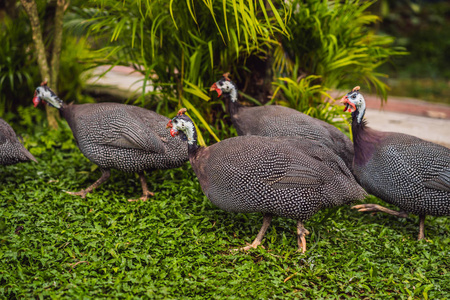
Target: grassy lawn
[431,90]
[177,245]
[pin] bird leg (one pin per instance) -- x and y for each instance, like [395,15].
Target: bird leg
[376,208]
[421,227]
[105,175]
[145,192]
[301,240]
[266,223]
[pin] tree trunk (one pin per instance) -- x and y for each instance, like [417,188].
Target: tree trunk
[57,41]
[47,74]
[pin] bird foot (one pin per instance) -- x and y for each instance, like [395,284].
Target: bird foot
[253,245]
[301,240]
[365,207]
[143,198]
[379,208]
[81,193]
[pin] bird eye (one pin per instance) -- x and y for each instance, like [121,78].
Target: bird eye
[354,96]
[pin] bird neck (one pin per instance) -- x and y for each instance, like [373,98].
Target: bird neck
[232,106]
[190,135]
[193,150]
[358,114]
[365,139]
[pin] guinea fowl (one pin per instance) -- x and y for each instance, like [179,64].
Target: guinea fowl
[11,150]
[401,169]
[119,136]
[275,120]
[280,176]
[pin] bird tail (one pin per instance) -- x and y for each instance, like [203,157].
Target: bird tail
[28,155]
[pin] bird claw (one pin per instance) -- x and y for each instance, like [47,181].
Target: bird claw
[249,246]
[364,207]
[149,194]
[301,240]
[81,193]
[143,198]
[367,208]
[378,208]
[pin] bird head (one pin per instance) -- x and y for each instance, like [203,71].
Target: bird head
[181,122]
[225,86]
[46,95]
[354,100]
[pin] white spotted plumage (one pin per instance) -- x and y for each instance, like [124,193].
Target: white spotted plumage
[119,136]
[283,176]
[11,150]
[401,169]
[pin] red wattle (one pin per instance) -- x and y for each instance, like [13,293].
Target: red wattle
[351,107]
[36,101]
[173,132]
[215,88]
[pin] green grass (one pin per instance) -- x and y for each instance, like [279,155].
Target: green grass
[431,90]
[177,244]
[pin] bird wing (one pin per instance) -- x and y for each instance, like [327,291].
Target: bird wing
[136,135]
[424,162]
[441,182]
[298,172]
[297,176]
[129,131]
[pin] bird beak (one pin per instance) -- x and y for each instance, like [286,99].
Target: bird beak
[169,124]
[36,99]
[348,105]
[215,88]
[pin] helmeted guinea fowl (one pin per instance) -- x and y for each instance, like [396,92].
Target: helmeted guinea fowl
[119,136]
[11,150]
[280,176]
[401,169]
[276,120]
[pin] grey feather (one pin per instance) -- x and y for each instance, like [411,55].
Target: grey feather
[11,150]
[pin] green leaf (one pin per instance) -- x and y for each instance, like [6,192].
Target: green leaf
[277,16]
[171,14]
[426,290]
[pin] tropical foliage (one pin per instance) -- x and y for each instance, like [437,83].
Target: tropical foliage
[334,40]
[17,63]
[183,46]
